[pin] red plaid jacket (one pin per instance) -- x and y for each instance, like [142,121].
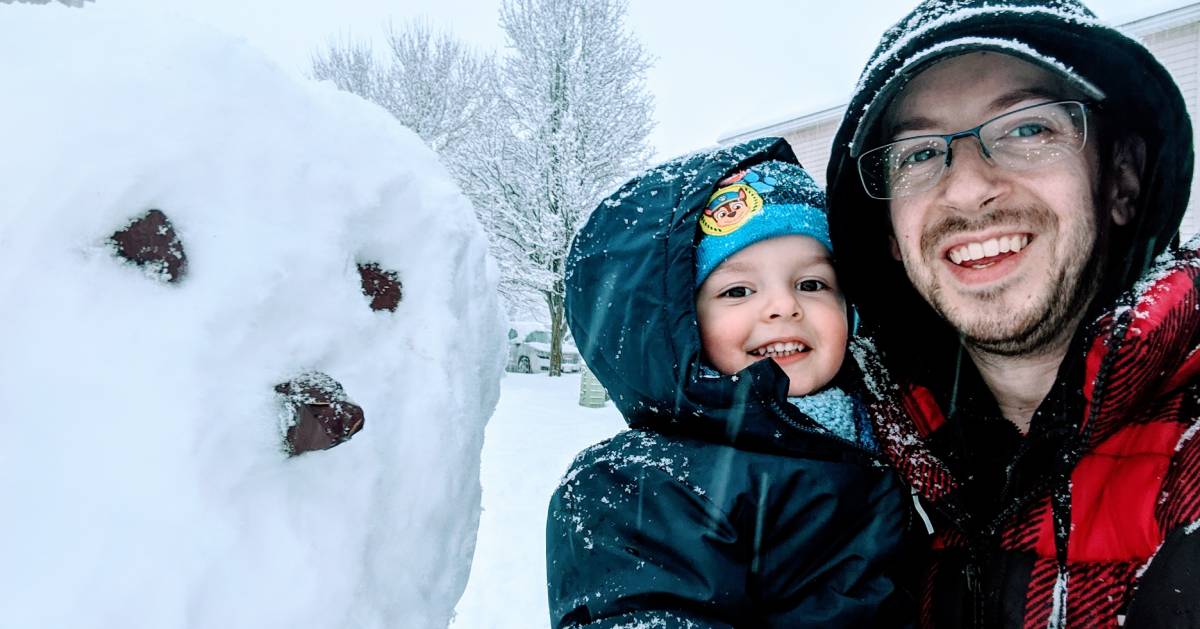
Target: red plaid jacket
[1098,534]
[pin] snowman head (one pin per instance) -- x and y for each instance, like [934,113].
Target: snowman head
[244,389]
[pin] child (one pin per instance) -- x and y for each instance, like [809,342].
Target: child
[725,505]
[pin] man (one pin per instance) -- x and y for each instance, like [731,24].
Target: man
[1003,181]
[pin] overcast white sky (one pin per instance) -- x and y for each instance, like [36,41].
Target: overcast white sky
[718,66]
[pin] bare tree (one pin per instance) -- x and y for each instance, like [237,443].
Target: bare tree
[431,82]
[572,123]
[351,66]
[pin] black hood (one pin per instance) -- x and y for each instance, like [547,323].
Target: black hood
[1062,35]
[631,303]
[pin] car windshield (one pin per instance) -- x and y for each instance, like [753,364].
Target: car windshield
[538,336]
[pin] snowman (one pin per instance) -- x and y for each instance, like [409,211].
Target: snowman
[250,340]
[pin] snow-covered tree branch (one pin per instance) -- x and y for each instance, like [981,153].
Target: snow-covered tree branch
[431,82]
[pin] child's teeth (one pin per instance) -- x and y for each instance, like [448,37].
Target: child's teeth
[780,349]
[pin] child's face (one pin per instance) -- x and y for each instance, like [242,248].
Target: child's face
[776,299]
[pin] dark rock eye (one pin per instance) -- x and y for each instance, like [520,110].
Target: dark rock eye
[319,415]
[381,285]
[150,242]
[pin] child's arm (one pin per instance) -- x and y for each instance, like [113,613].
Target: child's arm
[630,541]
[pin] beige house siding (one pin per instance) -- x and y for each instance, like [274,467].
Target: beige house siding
[1173,37]
[1178,49]
[811,145]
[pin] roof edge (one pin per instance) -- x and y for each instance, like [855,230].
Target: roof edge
[1138,28]
[1164,21]
[785,125]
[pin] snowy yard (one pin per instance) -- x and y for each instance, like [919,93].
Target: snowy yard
[537,429]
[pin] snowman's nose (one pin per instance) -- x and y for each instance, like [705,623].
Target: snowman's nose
[320,414]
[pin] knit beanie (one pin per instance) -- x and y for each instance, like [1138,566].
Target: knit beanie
[764,201]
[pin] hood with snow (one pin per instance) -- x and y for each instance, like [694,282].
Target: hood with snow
[1063,36]
[630,304]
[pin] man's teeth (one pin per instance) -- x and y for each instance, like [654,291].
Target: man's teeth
[780,349]
[988,248]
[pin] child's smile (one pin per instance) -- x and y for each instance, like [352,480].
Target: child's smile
[783,352]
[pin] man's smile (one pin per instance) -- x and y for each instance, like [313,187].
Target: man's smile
[981,253]
[979,259]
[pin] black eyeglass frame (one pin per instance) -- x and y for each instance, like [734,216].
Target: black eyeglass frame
[1087,109]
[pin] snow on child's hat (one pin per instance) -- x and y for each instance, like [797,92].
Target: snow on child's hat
[763,201]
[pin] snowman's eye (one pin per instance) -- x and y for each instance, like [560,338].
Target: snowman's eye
[381,285]
[150,242]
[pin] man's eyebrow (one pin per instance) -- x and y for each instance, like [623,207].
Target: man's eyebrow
[914,123]
[1004,101]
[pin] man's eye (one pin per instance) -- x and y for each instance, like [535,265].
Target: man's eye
[736,292]
[919,156]
[1028,130]
[810,286]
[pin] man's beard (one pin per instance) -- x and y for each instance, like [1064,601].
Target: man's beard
[1052,318]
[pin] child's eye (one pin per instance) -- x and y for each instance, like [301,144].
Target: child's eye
[736,292]
[811,285]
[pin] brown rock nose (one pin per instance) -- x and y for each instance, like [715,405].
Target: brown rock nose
[319,415]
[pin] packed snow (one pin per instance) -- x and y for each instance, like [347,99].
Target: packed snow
[145,472]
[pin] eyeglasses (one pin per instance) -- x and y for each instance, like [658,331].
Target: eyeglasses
[1018,140]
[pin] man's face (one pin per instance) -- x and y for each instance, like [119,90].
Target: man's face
[1002,255]
[777,299]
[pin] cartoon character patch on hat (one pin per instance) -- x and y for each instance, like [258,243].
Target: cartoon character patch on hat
[738,198]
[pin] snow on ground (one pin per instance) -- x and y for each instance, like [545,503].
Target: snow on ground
[537,429]
[143,472]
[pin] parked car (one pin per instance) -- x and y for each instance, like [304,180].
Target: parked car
[529,350]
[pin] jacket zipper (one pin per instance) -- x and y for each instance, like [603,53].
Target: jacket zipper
[974,591]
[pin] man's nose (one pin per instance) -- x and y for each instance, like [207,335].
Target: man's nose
[971,181]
